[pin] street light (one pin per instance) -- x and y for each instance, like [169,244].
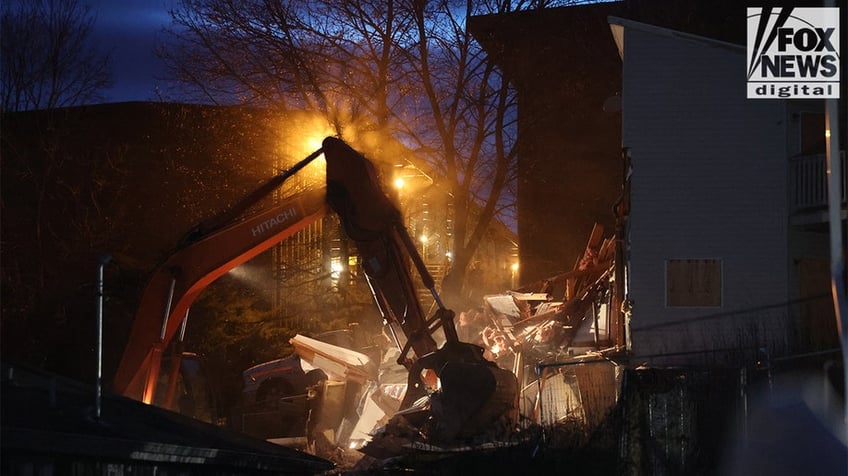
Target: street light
[336,269]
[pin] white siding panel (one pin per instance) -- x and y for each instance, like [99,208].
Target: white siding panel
[709,178]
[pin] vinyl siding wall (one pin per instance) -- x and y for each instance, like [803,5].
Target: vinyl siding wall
[708,182]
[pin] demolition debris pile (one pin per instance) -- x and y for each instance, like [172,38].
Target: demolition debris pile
[558,349]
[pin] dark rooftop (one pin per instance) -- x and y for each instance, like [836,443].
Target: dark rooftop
[47,419]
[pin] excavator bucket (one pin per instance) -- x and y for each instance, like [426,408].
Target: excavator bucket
[476,398]
[475,404]
[475,401]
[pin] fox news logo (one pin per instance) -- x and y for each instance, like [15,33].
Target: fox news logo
[793,53]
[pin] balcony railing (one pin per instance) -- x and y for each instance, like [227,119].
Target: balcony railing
[808,183]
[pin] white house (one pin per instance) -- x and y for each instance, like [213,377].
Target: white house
[727,233]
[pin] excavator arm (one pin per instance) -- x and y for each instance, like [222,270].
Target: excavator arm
[474,393]
[176,283]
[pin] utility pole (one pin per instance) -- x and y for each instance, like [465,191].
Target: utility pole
[837,258]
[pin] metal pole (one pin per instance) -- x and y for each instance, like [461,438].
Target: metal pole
[540,371]
[104,259]
[743,397]
[837,262]
[183,326]
[837,259]
[167,310]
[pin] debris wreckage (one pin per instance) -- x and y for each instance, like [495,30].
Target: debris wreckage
[559,337]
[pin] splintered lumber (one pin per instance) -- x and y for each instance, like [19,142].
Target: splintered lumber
[607,252]
[590,258]
[597,258]
[562,277]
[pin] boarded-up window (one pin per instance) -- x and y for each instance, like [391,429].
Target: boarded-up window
[693,282]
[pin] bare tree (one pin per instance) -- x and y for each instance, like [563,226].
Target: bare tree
[388,71]
[469,112]
[48,57]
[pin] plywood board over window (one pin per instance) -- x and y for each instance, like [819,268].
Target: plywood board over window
[693,282]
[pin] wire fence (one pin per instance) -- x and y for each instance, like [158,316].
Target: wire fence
[671,421]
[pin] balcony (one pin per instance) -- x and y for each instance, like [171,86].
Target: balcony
[808,189]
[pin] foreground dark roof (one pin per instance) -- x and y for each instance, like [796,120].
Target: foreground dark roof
[46,418]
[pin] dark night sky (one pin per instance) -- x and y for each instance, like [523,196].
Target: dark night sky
[128,30]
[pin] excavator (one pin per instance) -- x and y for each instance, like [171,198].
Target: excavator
[471,394]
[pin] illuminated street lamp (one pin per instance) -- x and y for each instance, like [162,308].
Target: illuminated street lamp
[424,246]
[336,269]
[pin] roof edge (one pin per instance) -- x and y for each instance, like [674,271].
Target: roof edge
[667,32]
